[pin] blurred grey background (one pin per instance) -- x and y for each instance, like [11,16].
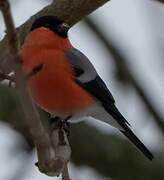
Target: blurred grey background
[125,42]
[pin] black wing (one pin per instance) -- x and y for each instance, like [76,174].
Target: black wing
[87,77]
[99,90]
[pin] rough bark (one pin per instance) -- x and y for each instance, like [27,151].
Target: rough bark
[71,11]
[112,156]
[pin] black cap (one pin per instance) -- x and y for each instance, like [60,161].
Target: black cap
[53,23]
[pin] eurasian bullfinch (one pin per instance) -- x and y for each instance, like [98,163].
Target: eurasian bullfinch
[63,82]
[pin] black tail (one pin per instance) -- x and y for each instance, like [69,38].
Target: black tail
[132,137]
[114,112]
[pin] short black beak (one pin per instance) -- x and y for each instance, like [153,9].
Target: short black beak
[63,28]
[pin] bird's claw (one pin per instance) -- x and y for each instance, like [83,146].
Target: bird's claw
[62,124]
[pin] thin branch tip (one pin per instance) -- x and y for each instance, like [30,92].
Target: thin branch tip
[53,147]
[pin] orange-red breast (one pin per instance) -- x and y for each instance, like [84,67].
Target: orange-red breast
[63,81]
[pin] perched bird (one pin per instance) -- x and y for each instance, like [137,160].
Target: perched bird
[63,82]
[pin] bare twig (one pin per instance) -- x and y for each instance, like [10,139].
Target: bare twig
[112,156]
[65,175]
[4,76]
[162,1]
[62,147]
[122,65]
[46,153]
[53,154]
[70,11]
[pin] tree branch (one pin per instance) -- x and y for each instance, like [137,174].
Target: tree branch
[112,156]
[48,162]
[162,1]
[53,154]
[127,74]
[70,11]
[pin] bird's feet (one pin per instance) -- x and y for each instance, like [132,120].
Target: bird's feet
[62,124]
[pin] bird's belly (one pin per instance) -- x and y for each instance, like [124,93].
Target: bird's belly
[59,96]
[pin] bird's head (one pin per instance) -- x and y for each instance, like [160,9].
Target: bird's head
[53,23]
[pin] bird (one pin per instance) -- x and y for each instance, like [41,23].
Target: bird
[63,82]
